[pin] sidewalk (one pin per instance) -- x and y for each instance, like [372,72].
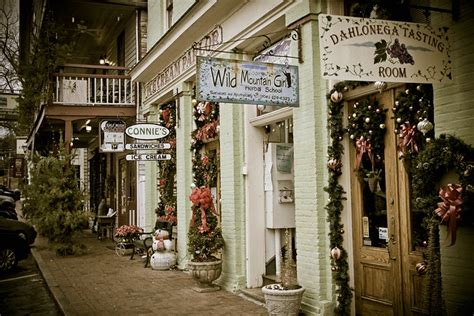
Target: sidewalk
[102,283]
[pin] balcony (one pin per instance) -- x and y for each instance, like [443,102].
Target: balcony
[93,85]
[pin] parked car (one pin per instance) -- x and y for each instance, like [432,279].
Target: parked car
[15,240]
[13,193]
[7,207]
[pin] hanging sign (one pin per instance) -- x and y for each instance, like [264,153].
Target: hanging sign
[148,157]
[147,131]
[380,50]
[111,136]
[246,82]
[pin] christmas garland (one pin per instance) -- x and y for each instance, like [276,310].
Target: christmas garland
[166,209]
[334,207]
[205,165]
[440,156]
[413,114]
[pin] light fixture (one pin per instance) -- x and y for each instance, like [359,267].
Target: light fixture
[88,128]
[102,60]
[88,121]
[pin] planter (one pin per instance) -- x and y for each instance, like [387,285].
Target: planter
[162,260]
[282,302]
[204,273]
[124,248]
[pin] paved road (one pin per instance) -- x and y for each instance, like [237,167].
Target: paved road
[23,291]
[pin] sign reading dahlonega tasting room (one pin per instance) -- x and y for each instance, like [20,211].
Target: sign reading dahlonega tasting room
[381,50]
[147,131]
[237,81]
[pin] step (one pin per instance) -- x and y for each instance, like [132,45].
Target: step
[255,295]
[269,279]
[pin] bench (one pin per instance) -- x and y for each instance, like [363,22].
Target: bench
[143,245]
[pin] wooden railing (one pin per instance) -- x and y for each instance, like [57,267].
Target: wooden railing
[92,89]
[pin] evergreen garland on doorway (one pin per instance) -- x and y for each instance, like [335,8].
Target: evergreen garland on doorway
[334,207]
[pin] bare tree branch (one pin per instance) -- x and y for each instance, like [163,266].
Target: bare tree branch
[9,47]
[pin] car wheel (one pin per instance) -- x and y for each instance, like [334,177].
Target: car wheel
[8,259]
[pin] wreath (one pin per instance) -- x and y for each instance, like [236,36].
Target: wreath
[366,128]
[449,204]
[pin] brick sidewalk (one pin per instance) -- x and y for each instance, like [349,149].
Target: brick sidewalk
[102,283]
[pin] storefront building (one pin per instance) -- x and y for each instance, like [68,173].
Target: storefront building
[279,167]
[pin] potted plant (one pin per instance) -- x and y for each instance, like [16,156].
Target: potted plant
[204,240]
[284,298]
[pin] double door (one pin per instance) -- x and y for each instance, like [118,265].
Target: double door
[386,249]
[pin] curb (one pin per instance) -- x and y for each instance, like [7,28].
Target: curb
[53,287]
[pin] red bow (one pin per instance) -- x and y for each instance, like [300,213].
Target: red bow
[407,139]
[362,146]
[450,209]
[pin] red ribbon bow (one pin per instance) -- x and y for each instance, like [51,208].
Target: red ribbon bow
[450,208]
[407,139]
[362,146]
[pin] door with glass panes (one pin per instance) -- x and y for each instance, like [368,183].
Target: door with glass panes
[385,252]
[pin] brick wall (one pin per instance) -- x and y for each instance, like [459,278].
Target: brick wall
[310,141]
[454,114]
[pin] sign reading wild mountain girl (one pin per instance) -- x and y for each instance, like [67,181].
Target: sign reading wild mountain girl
[246,82]
[381,50]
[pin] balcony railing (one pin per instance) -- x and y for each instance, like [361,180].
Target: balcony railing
[91,89]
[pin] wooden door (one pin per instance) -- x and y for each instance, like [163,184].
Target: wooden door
[127,196]
[386,282]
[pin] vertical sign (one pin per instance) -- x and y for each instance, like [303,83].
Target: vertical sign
[112,136]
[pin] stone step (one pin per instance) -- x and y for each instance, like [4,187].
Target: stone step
[269,279]
[255,295]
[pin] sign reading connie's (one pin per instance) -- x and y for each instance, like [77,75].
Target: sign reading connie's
[147,131]
[380,50]
[237,81]
[111,136]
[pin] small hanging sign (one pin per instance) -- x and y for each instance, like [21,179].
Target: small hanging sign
[112,136]
[246,82]
[380,50]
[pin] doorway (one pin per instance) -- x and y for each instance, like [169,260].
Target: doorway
[127,202]
[385,253]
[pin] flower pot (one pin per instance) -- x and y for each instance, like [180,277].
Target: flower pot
[204,273]
[162,260]
[282,302]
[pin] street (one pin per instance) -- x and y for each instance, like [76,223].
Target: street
[23,291]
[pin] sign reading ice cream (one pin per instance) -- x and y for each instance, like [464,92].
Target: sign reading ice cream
[246,82]
[381,50]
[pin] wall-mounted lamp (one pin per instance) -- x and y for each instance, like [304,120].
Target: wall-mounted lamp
[88,128]
[102,60]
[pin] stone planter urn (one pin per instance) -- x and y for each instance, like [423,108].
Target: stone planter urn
[204,273]
[280,301]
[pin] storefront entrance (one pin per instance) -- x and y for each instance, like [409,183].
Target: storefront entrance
[127,193]
[385,252]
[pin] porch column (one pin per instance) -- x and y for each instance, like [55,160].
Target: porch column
[184,125]
[68,134]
